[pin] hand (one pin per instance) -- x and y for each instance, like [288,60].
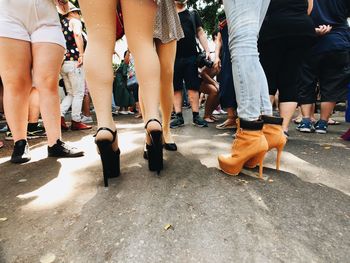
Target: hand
[323,30]
[63,5]
[80,61]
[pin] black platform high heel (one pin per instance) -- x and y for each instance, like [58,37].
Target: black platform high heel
[110,158]
[155,150]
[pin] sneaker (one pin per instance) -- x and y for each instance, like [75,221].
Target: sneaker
[20,152]
[173,115]
[8,136]
[5,128]
[85,119]
[216,112]
[62,150]
[199,122]
[78,125]
[39,132]
[177,122]
[305,126]
[321,127]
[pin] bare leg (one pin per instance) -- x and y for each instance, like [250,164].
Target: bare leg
[306,110]
[15,71]
[212,100]
[100,21]
[139,21]
[166,53]
[178,101]
[327,110]
[86,106]
[47,59]
[287,110]
[193,96]
[34,106]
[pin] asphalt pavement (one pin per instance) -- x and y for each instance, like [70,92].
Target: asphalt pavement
[57,210]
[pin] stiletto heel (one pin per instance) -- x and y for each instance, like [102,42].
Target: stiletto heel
[260,158]
[155,149]
[110,158]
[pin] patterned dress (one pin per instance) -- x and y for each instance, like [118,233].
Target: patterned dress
[167,26]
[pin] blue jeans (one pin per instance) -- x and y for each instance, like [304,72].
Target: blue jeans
[244,19]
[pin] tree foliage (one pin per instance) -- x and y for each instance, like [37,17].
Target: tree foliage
[208,11]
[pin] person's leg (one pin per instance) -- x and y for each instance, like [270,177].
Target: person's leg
[78,85]
[249,78]
[166,54]
[212,100]
[47,58]
[147,65]
[326,110]
[34,106]
[67,101]
[15,71]
[193,96]
[178,101]
[100,21]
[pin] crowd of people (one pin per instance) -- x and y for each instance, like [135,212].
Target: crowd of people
[284,53]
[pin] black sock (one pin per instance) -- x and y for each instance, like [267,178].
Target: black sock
[32,126]
[195,114]
[179,114]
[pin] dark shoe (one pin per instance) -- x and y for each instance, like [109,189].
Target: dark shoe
[321,127]
[8,136]
[305,126]
[199,122]
[20,152]
[109,157]
[177,122]
[38,132]
[62,150]
[155,149]
[77,126]
[170,147]
[64,126]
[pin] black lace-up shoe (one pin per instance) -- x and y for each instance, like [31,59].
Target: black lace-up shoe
[20,152]
[62,150]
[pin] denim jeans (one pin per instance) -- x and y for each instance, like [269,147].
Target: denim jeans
[244,19]
[74,81]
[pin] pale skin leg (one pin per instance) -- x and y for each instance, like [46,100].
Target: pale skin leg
[287,110]
[178,101]
[327,110]
[34,106]
[47,61]
[141,45]
[101,21]
[166,53]
[15,71]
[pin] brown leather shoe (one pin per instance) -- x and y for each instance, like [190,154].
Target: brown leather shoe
[249,143]
[79,126]
[275,139]
[64,126]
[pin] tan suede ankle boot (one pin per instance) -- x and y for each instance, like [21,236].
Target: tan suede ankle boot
[275,138]
[249,143]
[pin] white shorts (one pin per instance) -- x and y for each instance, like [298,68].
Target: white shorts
[31,20]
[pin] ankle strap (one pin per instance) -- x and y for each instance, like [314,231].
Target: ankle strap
[151,121]
[114,133]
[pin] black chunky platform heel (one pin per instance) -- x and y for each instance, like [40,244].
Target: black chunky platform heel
[155,150]
[110,158]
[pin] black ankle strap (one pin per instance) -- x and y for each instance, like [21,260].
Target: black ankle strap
[151,121]
[114,133]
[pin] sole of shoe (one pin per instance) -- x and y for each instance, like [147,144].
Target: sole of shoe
[305,130]
[321,131]
[200,125]
[177,126]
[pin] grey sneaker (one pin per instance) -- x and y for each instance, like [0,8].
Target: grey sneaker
[199,122]
[177,122]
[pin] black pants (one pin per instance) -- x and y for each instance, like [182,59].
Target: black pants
[281,59]
[331,70]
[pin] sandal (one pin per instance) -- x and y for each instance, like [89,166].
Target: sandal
[226,125]
[155,149]
[333,122]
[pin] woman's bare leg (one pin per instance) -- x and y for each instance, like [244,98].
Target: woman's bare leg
[34,106]
[139,18]
[100,21]
[15,71]
[212,100]
[47,61]
[166,54]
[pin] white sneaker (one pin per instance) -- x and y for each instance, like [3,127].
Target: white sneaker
[85,119]
[223,112]
[215,112]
